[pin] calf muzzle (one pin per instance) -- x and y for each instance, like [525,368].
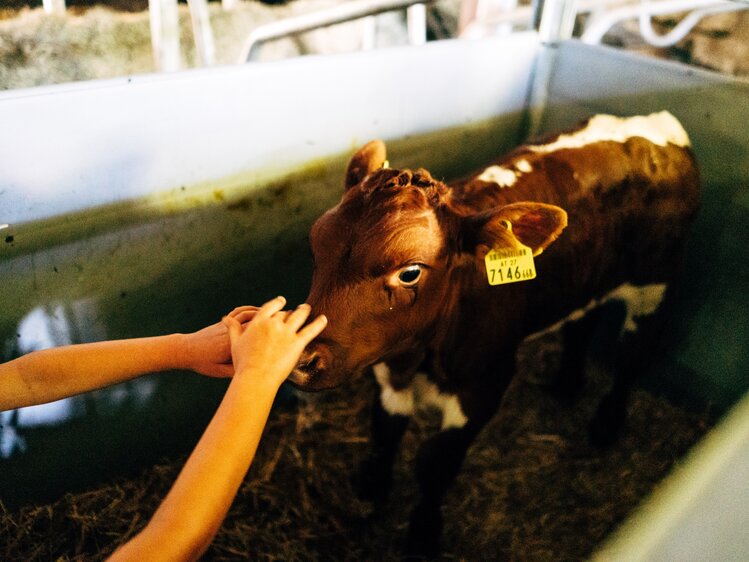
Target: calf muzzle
[310,372]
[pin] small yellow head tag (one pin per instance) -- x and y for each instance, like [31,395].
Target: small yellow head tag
[510,265]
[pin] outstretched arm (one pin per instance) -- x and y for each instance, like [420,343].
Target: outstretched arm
[264,353]
[51,374]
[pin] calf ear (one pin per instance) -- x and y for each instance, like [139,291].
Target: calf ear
[369,158]
[535,225]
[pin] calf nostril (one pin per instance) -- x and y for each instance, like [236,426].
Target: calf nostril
[309,360]
[314,362]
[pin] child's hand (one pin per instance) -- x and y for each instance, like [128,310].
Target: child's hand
[271,343]
[208,351]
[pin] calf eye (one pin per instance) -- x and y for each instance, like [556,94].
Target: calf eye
[409,275]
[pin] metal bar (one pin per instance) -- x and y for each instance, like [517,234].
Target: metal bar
[604,14]
[538,93]
[554,19]
[683,27]
[202,32]
[416,20]
[369,33]
[321,18]
[527,16]
[596,29]
[164,17]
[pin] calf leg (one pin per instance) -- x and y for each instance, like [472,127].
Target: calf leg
[601,326]
[607,423]
[570,379]
[635,351]
[375,475]
[437,464]
[390,415]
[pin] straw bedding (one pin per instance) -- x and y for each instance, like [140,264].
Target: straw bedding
[530,489]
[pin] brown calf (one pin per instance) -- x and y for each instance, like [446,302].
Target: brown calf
[401,272]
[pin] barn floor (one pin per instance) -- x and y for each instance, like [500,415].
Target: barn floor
[531,488]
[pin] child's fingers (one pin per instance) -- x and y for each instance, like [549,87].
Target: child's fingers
[313,329]
[282,315]
[244,316]
[296,319]
[233,325]
[242,310]
[271,307]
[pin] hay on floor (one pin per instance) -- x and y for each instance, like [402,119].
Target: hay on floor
[531,488]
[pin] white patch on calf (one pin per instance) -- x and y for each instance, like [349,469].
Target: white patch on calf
[421,394]
[523,166]
[659,128]
[428,395]
[503,176]
[395,402]
[452,413]
[500,175]
[640,301]
[539,354]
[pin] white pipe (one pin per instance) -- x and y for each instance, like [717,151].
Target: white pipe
[164,17]
[416,20]
[557,20]
[596,29]
[322,18]
[603,17]
[683,27]
[369,33]
[202,32]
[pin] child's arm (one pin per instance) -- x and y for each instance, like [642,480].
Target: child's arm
[51,374]
[264,353]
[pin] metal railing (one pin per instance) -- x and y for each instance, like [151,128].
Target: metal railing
[349,11]
[644,11]
[554,19]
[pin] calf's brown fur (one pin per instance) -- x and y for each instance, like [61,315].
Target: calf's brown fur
[399,271]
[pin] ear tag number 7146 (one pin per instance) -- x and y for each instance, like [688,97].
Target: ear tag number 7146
[509,265]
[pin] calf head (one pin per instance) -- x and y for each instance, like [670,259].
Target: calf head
[393,257]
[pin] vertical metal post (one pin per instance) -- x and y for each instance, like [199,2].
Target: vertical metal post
[554,19]
[416,20]
[369,33]
[202,32]
[165,34]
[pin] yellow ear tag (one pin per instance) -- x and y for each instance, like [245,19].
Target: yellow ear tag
[509,265]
